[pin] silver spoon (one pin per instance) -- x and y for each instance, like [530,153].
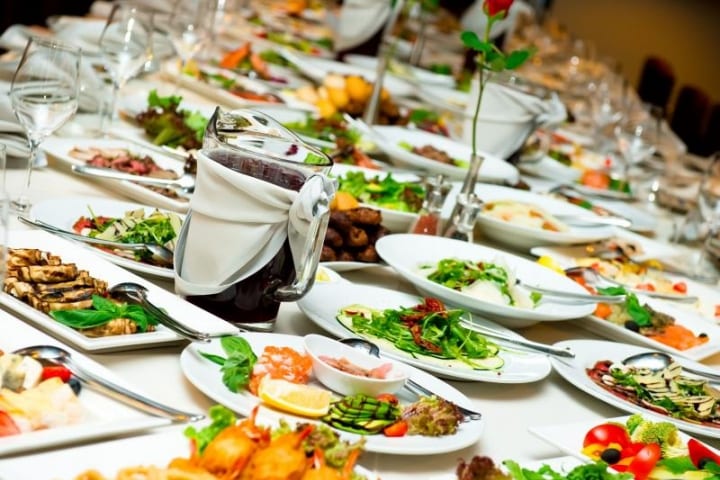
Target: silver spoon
[372,349]
[59,356]
[656,361]
[160,254]
[137,294]
[593,220]
[574,297]
[184,184]
[593,276]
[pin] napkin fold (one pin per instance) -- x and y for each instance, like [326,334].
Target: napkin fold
[238,224]
[358,21]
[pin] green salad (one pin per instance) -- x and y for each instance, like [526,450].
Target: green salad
[328,129]
[386,193]
[427,329]
[167,124]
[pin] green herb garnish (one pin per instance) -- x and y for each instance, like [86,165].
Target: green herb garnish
[387,192]
[238,365]
[103,312]
[222,418]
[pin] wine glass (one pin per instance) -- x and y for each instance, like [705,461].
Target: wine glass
[123,46]
[190,28]
[44,95]
[635,143]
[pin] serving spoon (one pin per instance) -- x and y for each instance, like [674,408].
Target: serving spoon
[657,361]
[56,355]
[137,294]
[184,184]
[160,254]
[414,387]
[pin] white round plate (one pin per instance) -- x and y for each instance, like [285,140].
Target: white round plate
[596,192]
[206,376]
[404,71]
[349,266]
[64,212]
[406,253]
[323,303]
[525,238]
[388,139]
[589,352]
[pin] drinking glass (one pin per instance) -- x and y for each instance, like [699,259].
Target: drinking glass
[44,95]
[124,49]
[4,207]
[190,28]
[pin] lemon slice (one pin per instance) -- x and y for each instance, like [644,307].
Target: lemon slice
[294,398]
[549,262]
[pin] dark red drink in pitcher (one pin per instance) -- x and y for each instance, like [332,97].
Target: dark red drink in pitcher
[275,156]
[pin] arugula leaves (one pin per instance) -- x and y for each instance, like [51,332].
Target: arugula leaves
[593,471]
[170,102]
[104,311]
[458,274]
[238,366]
[386,192]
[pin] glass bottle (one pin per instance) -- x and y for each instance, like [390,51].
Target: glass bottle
[429,221]
[463,224]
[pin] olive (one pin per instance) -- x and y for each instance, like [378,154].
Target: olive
[74,383]
[703,335]
[702,462]
[610,456]
[632,326]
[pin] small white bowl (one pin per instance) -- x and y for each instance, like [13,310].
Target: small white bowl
[347,383]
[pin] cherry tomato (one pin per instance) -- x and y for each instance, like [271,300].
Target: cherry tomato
[680,287]
[717,310]
[387,397]
[7,425]
[82,223]
[397,429]
[52,371]
[645,461]
[700,453]
[606,434]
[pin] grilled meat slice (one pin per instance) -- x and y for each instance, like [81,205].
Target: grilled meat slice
[46,307]
[118,326]
[30,256]
[45,273]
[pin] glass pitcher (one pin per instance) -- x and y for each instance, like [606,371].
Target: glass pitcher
[254,176]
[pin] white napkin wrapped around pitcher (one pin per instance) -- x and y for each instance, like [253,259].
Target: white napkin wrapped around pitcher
[508,116]
[238,224]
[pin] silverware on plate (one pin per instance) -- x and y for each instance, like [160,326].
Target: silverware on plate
[184,185]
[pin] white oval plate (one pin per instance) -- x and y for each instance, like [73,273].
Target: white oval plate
[64,212]
[410,73]
[388,139]
[589,352]
[60,148]
[523,237]
[406,253]
[206,376]
[323,303]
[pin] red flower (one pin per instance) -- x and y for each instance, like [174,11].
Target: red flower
[493,7]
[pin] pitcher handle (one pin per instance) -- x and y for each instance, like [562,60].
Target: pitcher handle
[305,277]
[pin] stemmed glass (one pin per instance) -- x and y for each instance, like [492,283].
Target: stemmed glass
[190,28]
[709,233]
[123,45]
[636,147]
[44,95]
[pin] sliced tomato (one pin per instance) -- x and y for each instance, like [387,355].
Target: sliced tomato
[7,425]
[606,434]
[52,371]
[680,287]
[701,453]
[648,287]
[387,397]
[645,461]
[397,429]
[82,223]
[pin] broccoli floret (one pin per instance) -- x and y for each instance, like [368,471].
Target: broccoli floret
[633,422]
[664,434]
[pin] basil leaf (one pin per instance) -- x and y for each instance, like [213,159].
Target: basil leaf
[213,358]
[236,371]
[233,345]
[637,312]
[677,465]
[81,319]
[612,291]
[103,304]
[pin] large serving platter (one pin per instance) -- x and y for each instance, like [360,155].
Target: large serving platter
[324,302]
[106,417]
[157,449]
[407,253]
[207,377]
[64,212]
[589,352]
[59,148]
[182,311]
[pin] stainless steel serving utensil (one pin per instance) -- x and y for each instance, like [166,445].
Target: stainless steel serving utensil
[592,276]
[414,387]
[137,294]
[466,321]
[160,254]
[56,355]
[656,361]
[185,184]
[593,221]
[572,297]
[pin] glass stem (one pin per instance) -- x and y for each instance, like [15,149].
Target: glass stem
[106,119]
[22,203]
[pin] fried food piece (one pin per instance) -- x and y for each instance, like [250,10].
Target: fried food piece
[333,238]
[364,216]
[283,459]
[375,234]
[340,221]
[368,255]
[328,254]
[345,256]
[356,237]
[229,452]
[479,468]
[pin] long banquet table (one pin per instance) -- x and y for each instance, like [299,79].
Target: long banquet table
[508,409]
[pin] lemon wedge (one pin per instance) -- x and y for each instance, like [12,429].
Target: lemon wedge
[294,398]
[549,262]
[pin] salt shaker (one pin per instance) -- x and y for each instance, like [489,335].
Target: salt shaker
[463,223]
[429,221]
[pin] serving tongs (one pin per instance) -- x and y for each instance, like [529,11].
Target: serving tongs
[184,185]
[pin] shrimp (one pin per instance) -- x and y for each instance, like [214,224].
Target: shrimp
[283,459]
[320,470]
